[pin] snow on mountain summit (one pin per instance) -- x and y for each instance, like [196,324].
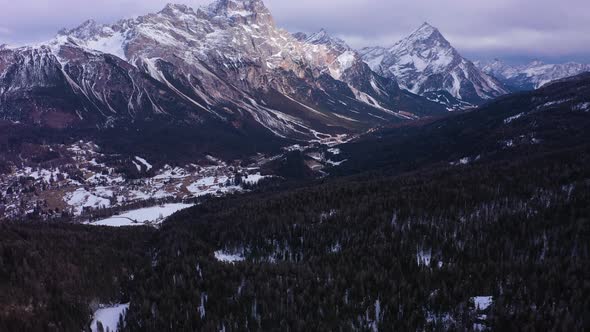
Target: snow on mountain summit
[227,61]
[322,37]
[425,62]
[425,32]
[254,11]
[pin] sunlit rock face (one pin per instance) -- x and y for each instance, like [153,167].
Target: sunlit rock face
[227,62]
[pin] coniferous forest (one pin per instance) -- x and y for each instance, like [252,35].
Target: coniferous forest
[402,238]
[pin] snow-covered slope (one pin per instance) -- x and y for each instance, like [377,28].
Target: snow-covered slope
[227,62]
[425,63]
[532,75]
[376,91]
[340,57]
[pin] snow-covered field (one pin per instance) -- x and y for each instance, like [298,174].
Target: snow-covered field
[146,216]
[108,317]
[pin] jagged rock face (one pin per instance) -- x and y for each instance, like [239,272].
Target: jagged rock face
[87,90]
[533,75]
[346,64]
[31,82]
[425,63]
[227,61]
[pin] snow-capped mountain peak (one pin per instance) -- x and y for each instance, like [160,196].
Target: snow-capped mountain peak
[425,63]
[425,32]
[174,9]
[322,37]
[85,30]
[426,48]
[226,61]
[251,11]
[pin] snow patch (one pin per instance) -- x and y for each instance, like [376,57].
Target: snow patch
[423,257]
[113,44]
[554,103]
[202,309]
[334,151]
[336,163]
[226,257]
[346,60]
[465,161]
[109,317]
[212,185]
[512,118]
[81,198]
[509,143]
[585,107]
[253,178]
[482,302]
[145,163]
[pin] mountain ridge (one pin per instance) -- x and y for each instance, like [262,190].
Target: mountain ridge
[425,63]
[226,61]
[532,75]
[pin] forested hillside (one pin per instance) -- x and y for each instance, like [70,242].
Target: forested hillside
[479,221]
[405,253]
[53,276]
[554,117]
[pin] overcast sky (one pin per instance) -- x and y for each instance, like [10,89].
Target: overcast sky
[517,30]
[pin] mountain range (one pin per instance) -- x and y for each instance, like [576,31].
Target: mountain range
[228,68]
[427,64]
[202,169]
[464,223]
[530,76]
